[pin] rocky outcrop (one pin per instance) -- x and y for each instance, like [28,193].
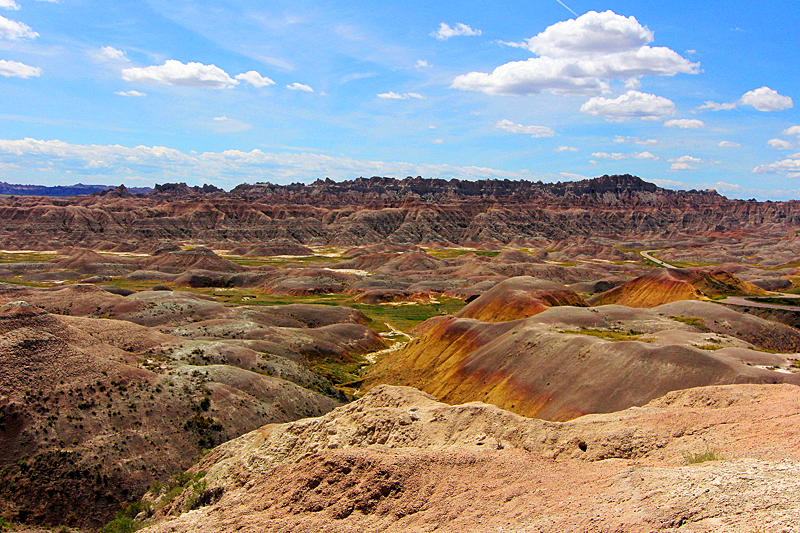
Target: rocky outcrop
[398,460]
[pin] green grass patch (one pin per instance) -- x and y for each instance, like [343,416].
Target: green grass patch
[19,281]
[26,257]
[702,457]
[694,321]
[282,262]
[709,347]
[450,253]
[793,302]
[403,315]
[340,374]
[630,335]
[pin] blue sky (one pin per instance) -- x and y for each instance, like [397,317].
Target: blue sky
[684,94]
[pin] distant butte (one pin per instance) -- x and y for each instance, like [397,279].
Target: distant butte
[360,212]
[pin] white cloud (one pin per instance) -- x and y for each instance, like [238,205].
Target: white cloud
[687,162]
[566,149]
[729,144]
[13,30]
[632,104]
[255,79]
[686,159]
[421,63]
[533,131]
[445,31]
[616,156]
[391,95]
[669,183]
[591,34]
[794,130]
[789,166]
[9,4]
[713,106]
[685,123]
[571,176]
[16,69]
[633,84]
[766,99]
[166,164]
[579,56]
[763,99]
[438,141]
[173,72]
[635,140]
[780,144]
[130,93]
[300,87]
[112,53]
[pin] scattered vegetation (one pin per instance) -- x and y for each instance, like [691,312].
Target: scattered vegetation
[709,454]
[694,321]
[449,253]
[793,302]
[629,335]
[126,520]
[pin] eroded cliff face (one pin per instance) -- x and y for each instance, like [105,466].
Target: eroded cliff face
[386,210]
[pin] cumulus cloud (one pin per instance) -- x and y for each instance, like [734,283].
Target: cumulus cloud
[130,93]
[635,140]
[566,149]
[766,99]
[729,144]
[162,163]
[687,162]
[579,56]
[391,95]
[445,31]
[15,69]
[421,63]
[632,104]
[780,144]
[255,79]
[685,123]
[173,72]
[9,4]
[790,167]
[300,87]
[533,131]
[763,99]
[794,130]
[686,159]
[13,30]
[616,156]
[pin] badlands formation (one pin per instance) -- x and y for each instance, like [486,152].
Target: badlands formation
[400,355]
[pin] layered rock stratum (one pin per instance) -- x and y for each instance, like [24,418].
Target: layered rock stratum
[387,210]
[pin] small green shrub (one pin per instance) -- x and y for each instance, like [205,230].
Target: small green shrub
[702,457]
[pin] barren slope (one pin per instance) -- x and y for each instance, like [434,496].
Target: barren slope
[397,460]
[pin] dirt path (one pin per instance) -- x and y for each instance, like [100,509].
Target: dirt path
[659,262]
[373,357]
[743,301]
